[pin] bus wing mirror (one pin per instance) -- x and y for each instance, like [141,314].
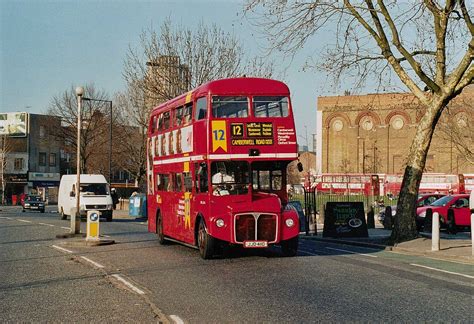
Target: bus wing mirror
[72,194]
[300,167]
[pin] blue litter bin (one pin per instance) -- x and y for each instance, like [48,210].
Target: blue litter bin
[137,206]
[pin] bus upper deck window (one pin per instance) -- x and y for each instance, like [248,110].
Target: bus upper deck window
[229,107]
[178,116]
[201,108]
[153,124]
[270,106]
[166,120]
[187,114]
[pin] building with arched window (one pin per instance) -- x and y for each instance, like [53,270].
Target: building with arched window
[373,133]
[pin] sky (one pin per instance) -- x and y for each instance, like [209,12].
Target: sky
[48,46]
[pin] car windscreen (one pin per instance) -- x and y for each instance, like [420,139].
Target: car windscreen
[442,201]
[94,189]
[33,198]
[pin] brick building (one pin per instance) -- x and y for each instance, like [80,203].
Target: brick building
[373,133]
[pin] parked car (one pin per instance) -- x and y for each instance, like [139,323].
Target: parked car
[422,200]
[33,202]
[458,203]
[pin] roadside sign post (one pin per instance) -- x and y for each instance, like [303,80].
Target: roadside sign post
[93,225]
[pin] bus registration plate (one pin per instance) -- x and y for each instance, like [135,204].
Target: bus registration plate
[255,244]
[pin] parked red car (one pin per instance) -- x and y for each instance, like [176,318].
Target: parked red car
[458,203]
[422,200]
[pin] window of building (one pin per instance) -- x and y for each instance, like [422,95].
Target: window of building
[201,108]
[41,131]
[52,159]
[18,164]
[42,159]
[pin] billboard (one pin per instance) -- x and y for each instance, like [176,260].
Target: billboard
[13,124]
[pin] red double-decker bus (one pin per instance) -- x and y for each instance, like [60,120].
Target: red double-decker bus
[430,183]
[217,159]
[347,184]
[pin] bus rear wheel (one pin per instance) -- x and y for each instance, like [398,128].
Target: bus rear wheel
[159,229]
[205,242]
[290,247]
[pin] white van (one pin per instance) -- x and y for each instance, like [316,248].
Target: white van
[95,195]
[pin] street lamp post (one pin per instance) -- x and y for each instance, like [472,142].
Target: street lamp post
[110,134]
[76,217]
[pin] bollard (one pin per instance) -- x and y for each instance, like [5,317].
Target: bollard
[93,225]
[435,232]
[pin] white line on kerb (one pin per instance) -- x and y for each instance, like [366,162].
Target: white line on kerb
[347,251]
[62,249]
[65,227]
[128,284]
[93,262]
[24,221]
[435,269]
[176,319]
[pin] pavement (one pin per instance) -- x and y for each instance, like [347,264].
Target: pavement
[453,247]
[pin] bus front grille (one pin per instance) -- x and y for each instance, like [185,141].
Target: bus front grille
[255,226]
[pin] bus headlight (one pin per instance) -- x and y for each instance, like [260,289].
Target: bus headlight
[220,222]
[289,222]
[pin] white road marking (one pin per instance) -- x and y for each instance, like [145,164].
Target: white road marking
[51,225]
[105,235]
[176,319]
[65,227]
[352,252]
[100,266]
[24,221]
[128,284]
[445,271]
[61,249]
[318,253]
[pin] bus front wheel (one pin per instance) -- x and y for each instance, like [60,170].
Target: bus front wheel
[290,247]
[205,241]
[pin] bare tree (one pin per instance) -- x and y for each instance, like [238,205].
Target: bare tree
[178,59]
[455,127]
[428,45]
[168,63]
[5,149]
[95,118]
[131,131]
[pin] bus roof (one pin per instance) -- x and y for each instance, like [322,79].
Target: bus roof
[233,86]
